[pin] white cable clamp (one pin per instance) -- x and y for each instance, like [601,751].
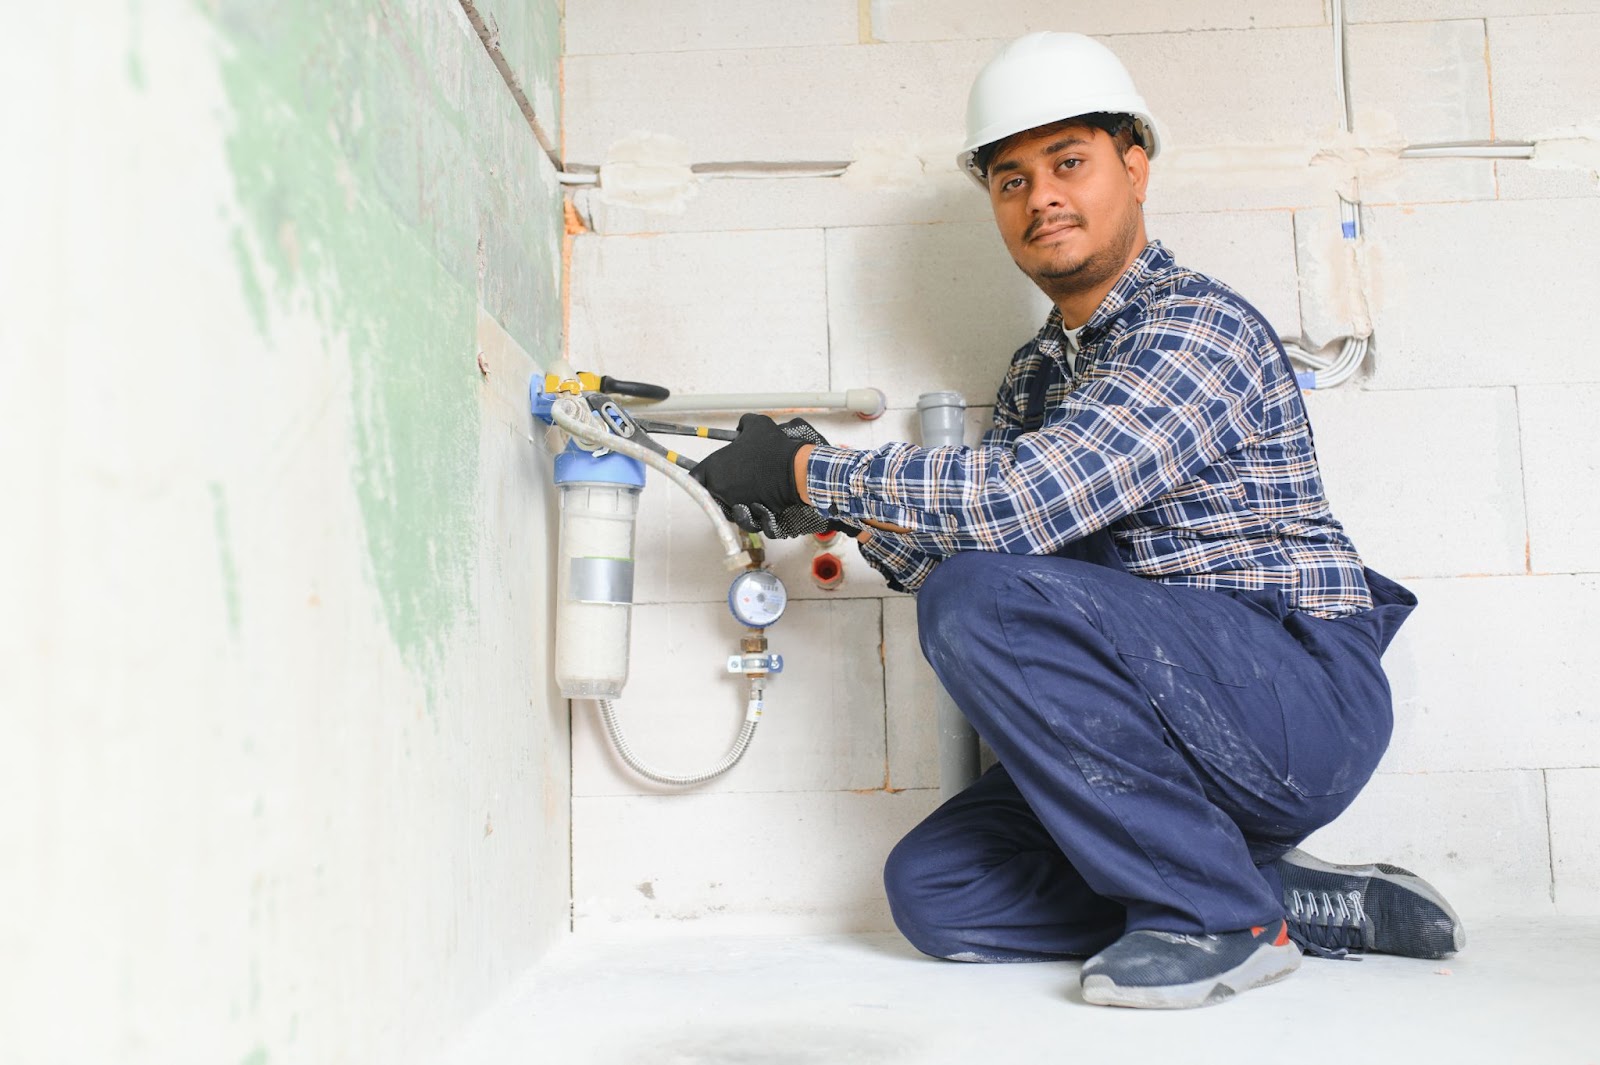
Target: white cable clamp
[755,665]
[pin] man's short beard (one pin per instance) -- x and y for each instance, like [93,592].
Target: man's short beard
[1095,269]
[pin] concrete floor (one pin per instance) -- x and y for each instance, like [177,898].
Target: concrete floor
[1519,994]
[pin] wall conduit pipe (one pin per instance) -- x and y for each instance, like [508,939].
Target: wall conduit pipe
[1325,372]
[1471,150]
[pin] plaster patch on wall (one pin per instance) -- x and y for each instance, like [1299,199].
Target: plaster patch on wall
[648,170]
[1573,148]
[1348,161]
[1237,163]
[1343,283]
[1338,164]
[887,165]
[301,132]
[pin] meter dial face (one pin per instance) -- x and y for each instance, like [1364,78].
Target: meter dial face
[757,598]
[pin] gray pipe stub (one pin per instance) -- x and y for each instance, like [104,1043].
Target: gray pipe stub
[942,418]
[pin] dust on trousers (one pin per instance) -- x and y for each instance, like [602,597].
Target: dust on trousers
[1159,747]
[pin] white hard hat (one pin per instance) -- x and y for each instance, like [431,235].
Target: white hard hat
[1044,78]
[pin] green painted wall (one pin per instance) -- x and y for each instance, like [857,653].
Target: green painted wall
[285,775]
[528,33]
[383,178]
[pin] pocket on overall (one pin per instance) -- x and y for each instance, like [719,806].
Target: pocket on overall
[1232,732]
[1338,713]
[1334,735]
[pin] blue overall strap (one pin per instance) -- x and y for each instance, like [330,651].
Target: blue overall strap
[1392,603]
[1211,288]
[1038,391]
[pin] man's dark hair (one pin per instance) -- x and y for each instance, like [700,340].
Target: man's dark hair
[1122,129]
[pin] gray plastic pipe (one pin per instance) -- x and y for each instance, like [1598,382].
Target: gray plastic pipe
[942,420]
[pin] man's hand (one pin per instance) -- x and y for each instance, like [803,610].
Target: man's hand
[758,468]
[759,480]
[796,520]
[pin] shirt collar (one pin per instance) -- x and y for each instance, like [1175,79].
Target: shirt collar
[1153,260]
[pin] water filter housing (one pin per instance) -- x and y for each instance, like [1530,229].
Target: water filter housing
[594,578]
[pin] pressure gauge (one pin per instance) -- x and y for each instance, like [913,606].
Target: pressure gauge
[757,598]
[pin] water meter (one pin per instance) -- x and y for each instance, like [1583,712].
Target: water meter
[757,598]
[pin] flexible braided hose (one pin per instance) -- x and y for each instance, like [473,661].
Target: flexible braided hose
[608,715]
[568,415]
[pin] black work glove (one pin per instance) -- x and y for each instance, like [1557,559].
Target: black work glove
[791,521]
[798,520]
[753,478]
[757,469]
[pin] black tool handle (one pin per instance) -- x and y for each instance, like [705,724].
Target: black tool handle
[651,426]
[633,388]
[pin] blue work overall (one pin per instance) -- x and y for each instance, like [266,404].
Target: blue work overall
[1159,747]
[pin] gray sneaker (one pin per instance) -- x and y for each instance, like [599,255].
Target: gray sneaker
[1163,970]
[1334,910]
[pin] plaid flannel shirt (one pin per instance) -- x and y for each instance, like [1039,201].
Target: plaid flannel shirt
[1184,436]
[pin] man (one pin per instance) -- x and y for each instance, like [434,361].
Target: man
[1134,588]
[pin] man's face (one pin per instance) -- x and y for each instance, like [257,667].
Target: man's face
[1068,205]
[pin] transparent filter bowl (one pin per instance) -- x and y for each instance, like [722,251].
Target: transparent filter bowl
[594,589]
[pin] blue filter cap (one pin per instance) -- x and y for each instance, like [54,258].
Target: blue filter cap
[576,465]
[540,400]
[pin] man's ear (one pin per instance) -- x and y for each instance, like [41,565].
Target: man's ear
[1138,166]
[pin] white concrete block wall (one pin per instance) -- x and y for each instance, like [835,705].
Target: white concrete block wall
[1427,481]
[941,20]
[1575,838]
[1426,10]
[806,861]
[621,27]
[1462,460]
[1421,83]
[1479,837]
[1484,293]
[1494,674]
[719,308]
[1545,88]
[912,308]
[1561,451]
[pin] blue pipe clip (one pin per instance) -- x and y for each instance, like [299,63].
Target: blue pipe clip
[576,465]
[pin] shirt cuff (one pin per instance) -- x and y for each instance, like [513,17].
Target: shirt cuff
[903,566]
[828,472]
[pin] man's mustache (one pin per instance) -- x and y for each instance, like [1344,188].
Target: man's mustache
[1042,221]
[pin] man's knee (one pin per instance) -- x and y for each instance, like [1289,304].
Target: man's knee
[914,902]
[953,581]
[955,598]
[964,596]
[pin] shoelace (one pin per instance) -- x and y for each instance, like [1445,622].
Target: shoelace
[1327,924]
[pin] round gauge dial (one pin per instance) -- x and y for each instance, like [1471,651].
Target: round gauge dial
[757,598]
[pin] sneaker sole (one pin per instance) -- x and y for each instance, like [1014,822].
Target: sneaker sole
[1266,965]
[1390,878]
